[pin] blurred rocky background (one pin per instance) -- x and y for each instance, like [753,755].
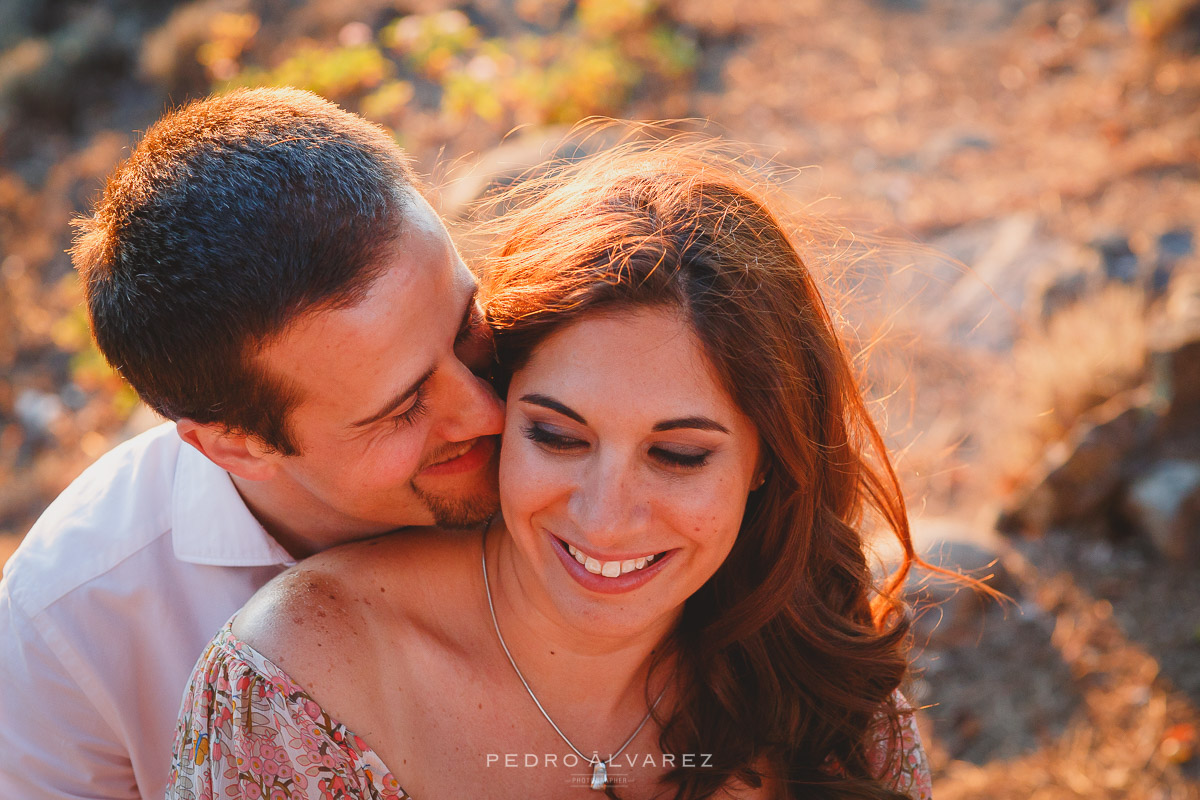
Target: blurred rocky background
[1022,184]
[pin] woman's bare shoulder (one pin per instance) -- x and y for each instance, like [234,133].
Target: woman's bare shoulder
[324,611]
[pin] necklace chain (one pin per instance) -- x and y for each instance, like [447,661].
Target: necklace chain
[595,759]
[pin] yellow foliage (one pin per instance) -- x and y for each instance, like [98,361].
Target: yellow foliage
[230,34]
[387,101]
[610,17]
[333,73]
[589,66]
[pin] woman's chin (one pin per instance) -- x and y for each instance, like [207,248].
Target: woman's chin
[621,624]
[649,611]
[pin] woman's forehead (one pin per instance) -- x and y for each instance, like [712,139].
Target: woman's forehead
[650,358]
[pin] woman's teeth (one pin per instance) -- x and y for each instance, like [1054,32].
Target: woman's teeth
[609,569]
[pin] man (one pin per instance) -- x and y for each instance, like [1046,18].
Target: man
[265,274]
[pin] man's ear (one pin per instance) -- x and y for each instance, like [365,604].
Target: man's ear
[236,453]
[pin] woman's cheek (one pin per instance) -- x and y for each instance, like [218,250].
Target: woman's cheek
[529,478]
[711,513]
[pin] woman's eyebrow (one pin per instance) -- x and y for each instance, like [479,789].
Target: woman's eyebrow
[699,423]
[554,405]
[702,423]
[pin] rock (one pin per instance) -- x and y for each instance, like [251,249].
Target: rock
[1173,247]
[1176,245]
[936,149]
[1085,482]
[947,612]
[1116,258]
[1181,311]
[1175,377]
[37,411]
[55,77]
[975,307]
[1164,504]
[1060,292]
[16,21]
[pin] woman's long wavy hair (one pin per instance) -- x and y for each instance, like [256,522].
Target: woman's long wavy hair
[788,657]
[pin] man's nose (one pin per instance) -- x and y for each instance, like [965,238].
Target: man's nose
[473,407]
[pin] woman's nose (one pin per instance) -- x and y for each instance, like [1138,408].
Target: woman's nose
[606,505]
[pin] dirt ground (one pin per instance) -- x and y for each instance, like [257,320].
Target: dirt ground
[1010,135]
[938,119]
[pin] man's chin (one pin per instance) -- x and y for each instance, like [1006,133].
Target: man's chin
[462,511]
[463,514]
[465,507]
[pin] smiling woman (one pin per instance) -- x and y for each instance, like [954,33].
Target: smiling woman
[676,601]
[785,657]
[620,446]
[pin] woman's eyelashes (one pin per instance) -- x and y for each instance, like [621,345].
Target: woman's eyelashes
[685,458]
[550,440]
[691,459]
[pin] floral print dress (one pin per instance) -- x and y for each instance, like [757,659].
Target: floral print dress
[247,730]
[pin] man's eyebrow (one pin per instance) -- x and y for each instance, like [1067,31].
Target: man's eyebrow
[400,399]
[554,405]
[701,423]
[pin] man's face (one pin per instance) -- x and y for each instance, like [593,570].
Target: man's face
[393,426]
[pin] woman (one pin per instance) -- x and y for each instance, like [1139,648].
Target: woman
[676,602]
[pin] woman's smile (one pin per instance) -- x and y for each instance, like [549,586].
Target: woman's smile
[613,574]
[609,568]
[628,465]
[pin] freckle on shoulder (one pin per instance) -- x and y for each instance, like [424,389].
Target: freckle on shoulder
[308,604]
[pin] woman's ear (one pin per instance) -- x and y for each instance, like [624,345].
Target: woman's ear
[241,454]
[761,472]
[760,477]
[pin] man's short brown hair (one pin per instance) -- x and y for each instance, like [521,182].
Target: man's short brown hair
[233,216]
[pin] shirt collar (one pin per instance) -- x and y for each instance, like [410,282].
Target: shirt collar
[211,524]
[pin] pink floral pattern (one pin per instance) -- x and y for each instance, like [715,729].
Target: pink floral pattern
[246,730]
[902,764]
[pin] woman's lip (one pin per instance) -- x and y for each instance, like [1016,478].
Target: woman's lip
[598,583]
[479,455]
[609,556]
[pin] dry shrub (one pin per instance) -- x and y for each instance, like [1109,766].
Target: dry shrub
[1086,354]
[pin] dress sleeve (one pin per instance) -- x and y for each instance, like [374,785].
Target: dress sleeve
[246,730]
[901,762]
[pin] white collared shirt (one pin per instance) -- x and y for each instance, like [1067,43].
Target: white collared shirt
[105,608]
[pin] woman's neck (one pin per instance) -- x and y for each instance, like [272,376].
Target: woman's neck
[565,664]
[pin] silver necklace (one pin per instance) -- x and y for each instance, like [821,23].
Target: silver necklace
[599,766]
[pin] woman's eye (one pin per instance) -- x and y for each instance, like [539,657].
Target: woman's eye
[551,440]
[681,459]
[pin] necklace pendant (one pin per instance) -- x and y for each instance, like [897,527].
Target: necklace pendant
[599,775]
